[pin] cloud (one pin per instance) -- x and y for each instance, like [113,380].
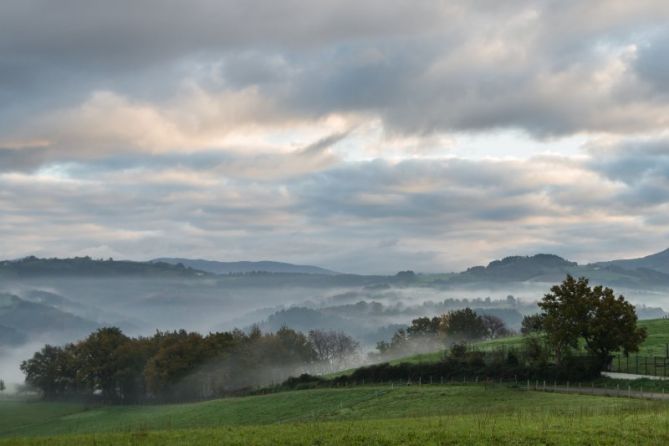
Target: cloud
[320,131]
[422,67]
[652,63]
[440,214]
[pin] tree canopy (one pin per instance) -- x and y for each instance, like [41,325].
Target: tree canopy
[181,364]
[574,311]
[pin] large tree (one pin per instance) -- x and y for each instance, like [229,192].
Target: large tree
[573,310]
[53,370]
[333,348]
[463,325]
[102,360]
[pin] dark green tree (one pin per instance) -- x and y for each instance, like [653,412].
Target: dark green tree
[531,324]
[424,326]
[573,311]
[463,325]
[103,360]
[612,326]
[52,370]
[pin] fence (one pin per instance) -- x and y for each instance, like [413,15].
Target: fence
[641,365]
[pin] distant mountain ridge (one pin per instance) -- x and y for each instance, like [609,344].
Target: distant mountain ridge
[523,268]
[216,267]
[85,266]
[657,262]
[651,271]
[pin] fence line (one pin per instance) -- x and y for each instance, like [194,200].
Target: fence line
[641,365]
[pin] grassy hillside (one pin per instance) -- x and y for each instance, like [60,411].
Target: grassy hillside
[654,345]
[449,414]
[658,337]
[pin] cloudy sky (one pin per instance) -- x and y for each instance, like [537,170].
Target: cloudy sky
[366,135]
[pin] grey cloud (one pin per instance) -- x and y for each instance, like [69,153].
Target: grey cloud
[420,67]
[317,147]
[423,67]
[433,211]
[23,160]
[652,63]
[632,161]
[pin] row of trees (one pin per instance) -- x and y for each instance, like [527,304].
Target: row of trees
[180,364]
[455,326]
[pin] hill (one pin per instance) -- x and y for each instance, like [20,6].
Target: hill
[539,267]
[656,262]
[88,267]
[21,319]
[549,268]
[655,344]
[216,267]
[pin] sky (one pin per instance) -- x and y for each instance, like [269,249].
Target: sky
[364,136]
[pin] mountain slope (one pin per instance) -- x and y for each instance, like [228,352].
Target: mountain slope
[34,319]
[657,262]
[549,268]
[216,267]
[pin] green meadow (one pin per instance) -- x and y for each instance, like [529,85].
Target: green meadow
[384,415]
[449,414]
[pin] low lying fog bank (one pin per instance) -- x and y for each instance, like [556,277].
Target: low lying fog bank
[11,358]
[60,310]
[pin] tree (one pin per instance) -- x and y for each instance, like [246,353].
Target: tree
[52,370]
[423,327]
[173,362]
[573,310]
[333,347]
[494,326]
[531,324]
[103,359]
[2,386]
[463,325]
[613,326]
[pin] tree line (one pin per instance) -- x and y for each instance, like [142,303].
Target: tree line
[178,365]
[575,318]
[455,326]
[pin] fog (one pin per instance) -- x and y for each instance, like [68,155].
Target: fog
[57,310]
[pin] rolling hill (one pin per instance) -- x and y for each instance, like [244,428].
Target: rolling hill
[549,268]
[85,266]
[216,267]
[21,319]
[656,262]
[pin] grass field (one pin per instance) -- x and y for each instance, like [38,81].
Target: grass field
[449,414]
[367,415]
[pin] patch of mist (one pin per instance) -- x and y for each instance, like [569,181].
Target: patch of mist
[11,358]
